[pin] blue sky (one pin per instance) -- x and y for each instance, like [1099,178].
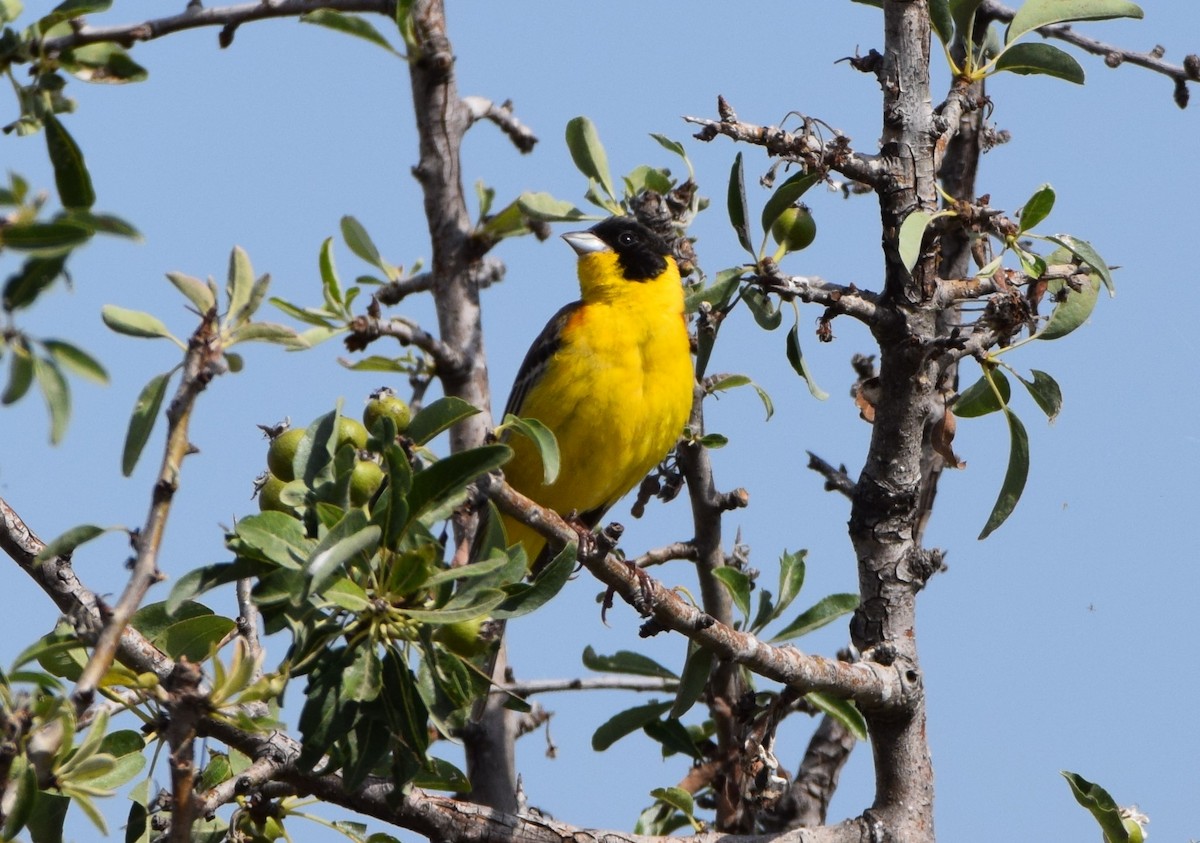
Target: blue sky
[1049,646]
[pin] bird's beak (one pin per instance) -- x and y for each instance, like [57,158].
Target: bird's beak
[584,242]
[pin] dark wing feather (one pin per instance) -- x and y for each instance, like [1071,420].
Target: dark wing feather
[536,359]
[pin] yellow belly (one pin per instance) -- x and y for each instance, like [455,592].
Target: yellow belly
[617,394]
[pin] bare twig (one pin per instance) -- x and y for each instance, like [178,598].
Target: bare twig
[502,115]
[201,363]
[667,553]
[598,683]
[196,16]
[483,273]
[364,330]
[836,479]
[847,300]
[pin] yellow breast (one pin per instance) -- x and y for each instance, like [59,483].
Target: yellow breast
[616,393]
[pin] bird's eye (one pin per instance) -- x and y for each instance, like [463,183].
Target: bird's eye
[626,238]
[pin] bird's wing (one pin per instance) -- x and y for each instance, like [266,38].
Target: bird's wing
[538,357]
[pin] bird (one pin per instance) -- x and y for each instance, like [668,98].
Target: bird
[611,375]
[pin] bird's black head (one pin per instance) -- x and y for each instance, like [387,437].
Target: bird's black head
[641,254]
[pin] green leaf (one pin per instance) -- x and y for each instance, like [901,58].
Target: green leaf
[70,173]
[77,360]
[825,610]
[437,774]
[363,679]
[1037,207]
[45,823]
[465,606]
[20,375]
[136,323]
[1038,13]
[525,598]
[718,293]
[762,308]
[57,394]
[1101,806]
[145,412]
[626,722]
[791,578]
[799,365]
[101,223]
[844,711]
[912,232]
[269,332]
[273,537]
[105,63]
[199,580]
[1045,392]
[1089,255]
[963,13]
[71,539]
[349,24]
[438,416]
[153,619]
[360,242]
[351,537]
[739,212]
[737,584]
[1014,477]
[674,146]
[786,195]
[197,292]
[677,798]
[941,20]
[1044,59]
[1072,310]
[44,239]
[193,638]
[543,439]
[127,764]
[35,275]
[713,441]
[693,680]
[451,474]
[588,153]
[979,398]
[624,661]
[544,207]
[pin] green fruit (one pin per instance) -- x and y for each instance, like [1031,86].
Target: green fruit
[364,481]
[269,495]
[462,637]
[282,453]
[350,431]
[385,402]
[794,229]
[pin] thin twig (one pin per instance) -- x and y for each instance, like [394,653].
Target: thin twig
[502,115]
[364,330]
[836,479]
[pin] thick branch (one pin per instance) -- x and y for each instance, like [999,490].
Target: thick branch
[840,300]
[366,329]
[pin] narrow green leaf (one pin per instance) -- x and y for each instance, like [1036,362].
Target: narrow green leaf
[825,610]
[762,308]
[677,798]
[624,661]
[193,638]
[238,287]
[791,578]
[197,292]
[437,774]
[135,323]
[1045,392]
[1037,207]
[1043,59]
[438,416]
[786,195]
[1090,256]
[153,619]
[44,239]
[963,13]
[626,722]
[339,546]
[463,607]
[544,207]
[942,21]
[77,360]
[524,599]
[1033,14]
[738,585]
[451,475]
[349,24]
[363,679]
[35,276]
[1014,477]
[979,398]
[145,412]
[543,439]
[1072,310]
[739,212]
[103,63]
[70,172]
[1100,804]
[713,441]
[912,232]
[20,375]
[269,332]
[692,681]
[101,223]
[718,293]
[796,358]
[360,242]
[57,394]
[587,152]
[71,539]
[844,711]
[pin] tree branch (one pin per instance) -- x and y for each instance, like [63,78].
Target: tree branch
[481,108]
[807,146]
[196,16]
[364,330]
